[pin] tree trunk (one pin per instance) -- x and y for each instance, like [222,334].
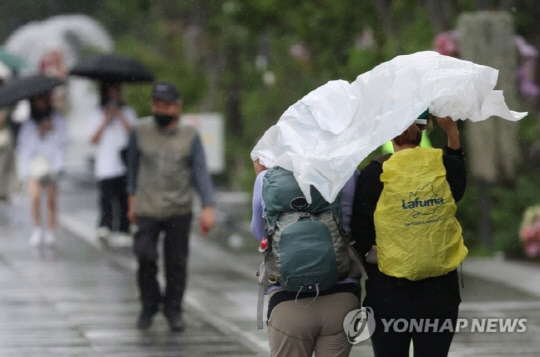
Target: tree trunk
[493,149]
[441,14]
[233,111]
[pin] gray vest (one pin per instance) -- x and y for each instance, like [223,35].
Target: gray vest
[164,177]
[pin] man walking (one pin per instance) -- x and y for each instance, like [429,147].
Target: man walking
[165,163]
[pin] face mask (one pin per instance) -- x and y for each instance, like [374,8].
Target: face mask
[163,119]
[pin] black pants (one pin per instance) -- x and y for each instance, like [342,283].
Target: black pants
[113,204]
[434,340]
[175,250]
[407,301]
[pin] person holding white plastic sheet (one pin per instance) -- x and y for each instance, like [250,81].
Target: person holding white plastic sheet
[405,227]
[40,157]
[302,323]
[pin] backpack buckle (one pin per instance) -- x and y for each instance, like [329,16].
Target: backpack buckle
[263,245]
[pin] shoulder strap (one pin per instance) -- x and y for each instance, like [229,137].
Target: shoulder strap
[382,158]
[263,286]
[357,266]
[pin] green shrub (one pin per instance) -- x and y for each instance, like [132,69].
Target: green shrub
[509,205]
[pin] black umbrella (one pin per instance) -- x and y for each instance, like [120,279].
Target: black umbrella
[112,68]
[26,87]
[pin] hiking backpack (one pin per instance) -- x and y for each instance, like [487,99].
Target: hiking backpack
[307,248]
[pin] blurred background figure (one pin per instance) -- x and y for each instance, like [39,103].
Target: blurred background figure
[110,128]
[530,231]
[53,64]
[167,165]
[7,164]
[40,150]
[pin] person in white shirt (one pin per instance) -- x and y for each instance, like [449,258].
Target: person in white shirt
[110,128]
[41,143]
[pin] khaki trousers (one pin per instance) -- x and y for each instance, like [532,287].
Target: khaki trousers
[299,329]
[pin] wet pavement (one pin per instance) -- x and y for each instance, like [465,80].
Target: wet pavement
[80,298]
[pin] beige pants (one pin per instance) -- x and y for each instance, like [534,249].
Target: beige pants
[298,329]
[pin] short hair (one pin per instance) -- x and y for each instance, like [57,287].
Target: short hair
[412,135]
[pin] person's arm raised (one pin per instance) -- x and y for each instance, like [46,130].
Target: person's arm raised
[452,132]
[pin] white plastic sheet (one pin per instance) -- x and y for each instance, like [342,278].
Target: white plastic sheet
[324,136]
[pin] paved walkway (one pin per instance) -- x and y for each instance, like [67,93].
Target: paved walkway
[78,300]
[524,276]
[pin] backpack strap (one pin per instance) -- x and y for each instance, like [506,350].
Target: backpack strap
[357,268]
[263,278]
[263,286]
[382,158]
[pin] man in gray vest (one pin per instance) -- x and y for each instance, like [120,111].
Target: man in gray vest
[165,163]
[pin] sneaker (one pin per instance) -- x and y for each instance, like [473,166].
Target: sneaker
[121,240]
[144,321]
[50,238]
[103,235]
[35,238]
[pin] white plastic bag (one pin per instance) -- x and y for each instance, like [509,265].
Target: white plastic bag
[324,136]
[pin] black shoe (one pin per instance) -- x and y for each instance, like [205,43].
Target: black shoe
[144,321]
[175,322]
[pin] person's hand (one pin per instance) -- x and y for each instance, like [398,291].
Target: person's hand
[258,167]
[447,124]
[131,210]
[120,115]
[107,118]
[207,219]
[110,112]
[452,132]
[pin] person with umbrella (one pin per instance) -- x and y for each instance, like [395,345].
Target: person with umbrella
[40,157]
[110,125]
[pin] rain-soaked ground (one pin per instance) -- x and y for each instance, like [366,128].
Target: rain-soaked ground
[80,299]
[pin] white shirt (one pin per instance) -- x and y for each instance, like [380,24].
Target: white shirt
[108,161]
[48,149]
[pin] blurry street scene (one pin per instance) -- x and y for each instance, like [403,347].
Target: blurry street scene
[77,79]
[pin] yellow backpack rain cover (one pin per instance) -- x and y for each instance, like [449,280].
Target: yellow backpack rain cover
[417,233]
